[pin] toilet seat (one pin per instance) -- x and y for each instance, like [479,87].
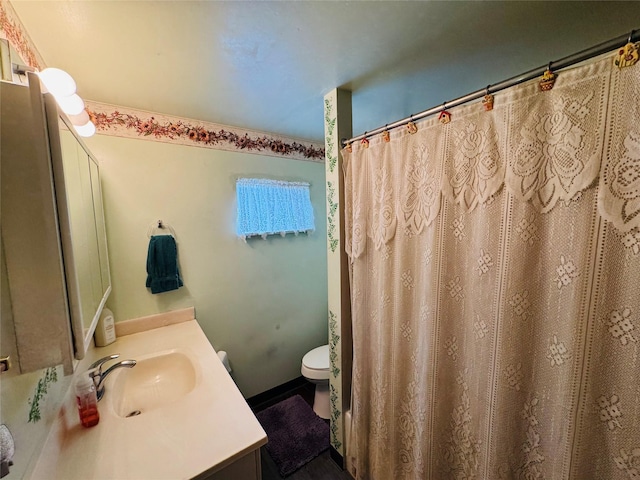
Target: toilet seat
[315,364]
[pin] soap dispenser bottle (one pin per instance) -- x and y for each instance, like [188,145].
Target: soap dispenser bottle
[87,399]
[105,329]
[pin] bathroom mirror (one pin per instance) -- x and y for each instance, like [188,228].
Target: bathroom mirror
[82,228]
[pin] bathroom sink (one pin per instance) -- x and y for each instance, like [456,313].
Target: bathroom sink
[156,381]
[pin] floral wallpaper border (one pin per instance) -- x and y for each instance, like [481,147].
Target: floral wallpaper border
[131,123]
[12,30]
[49,377]
[333,271]
[334,363]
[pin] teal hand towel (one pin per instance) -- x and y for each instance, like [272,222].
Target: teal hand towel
[162,264]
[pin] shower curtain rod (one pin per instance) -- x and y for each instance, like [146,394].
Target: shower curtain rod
[565,62]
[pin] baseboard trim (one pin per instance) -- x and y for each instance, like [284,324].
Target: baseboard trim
[336,457]
[276,392]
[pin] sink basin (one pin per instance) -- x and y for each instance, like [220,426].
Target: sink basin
[156,381]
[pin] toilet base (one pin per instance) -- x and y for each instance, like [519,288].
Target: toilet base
[321,404]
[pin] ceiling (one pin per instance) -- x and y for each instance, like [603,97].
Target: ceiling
[266,65]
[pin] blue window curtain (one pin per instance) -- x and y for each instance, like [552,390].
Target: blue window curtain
[268,207]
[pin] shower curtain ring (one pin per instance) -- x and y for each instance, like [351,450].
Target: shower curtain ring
[548,79]
[411,127]
[444,117]
[487,101]
[385,133]
[628,54]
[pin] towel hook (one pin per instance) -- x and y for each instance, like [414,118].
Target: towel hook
[160,225]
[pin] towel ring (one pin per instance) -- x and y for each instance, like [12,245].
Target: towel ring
[165,229]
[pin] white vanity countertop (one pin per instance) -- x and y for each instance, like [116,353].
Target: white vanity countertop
[206,430]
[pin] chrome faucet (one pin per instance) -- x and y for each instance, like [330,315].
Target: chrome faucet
[99,376]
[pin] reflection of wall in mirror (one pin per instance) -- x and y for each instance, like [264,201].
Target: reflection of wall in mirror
[82,229]
[81,224]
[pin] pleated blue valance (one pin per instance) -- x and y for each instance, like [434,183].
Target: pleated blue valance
[268,207]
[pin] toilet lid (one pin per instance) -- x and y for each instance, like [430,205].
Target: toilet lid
[317,359]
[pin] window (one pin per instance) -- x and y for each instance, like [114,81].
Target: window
[268,207]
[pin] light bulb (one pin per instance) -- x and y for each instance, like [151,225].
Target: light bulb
[58,82]
[71,105]
[86,130]
[79,119]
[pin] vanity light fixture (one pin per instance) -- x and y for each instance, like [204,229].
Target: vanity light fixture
[58,82]
[63,87]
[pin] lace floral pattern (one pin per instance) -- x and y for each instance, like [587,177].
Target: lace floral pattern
[621,327]
[358,237]
[531,467]
[554,153]
[451,344]
[513,375]
[629,463]
[379,427]
[421,202]
[485,262]
[474,167]
[527,229]
[624,182]
[566,272]
[457,226]
[411,418]
[520,304]
[619,193]
[407,280]
[455,289]
[556,139]
[480,328]
[383,224]
[631,240]
[527,461]
[558,352]
[355,211]
[610,412]
[461,448]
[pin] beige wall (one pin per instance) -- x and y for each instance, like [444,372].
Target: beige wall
[264,301]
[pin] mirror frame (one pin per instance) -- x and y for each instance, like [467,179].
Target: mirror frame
[82,337]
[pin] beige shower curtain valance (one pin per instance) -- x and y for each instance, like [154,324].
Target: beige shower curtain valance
[495,265]
[545,148]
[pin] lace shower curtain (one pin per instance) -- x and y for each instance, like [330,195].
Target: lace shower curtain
[496,287]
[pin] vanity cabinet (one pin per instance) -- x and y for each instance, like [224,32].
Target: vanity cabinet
[247,467]
[53,235]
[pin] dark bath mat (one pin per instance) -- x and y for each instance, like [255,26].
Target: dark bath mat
[296,435]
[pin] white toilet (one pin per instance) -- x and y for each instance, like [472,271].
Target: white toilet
[315,368]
